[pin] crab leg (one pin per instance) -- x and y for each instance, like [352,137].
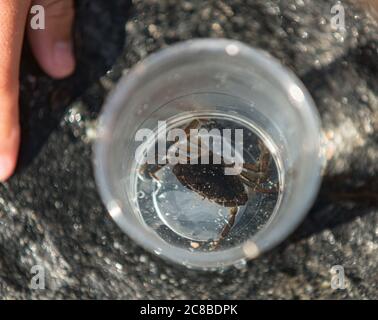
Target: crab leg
[261,166]
[195,124]
[264,159]
[254,186]
[153,172]
[227,228]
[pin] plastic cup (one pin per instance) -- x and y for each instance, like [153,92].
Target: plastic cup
[222,77]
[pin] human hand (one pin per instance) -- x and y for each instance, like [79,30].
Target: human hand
[52,48]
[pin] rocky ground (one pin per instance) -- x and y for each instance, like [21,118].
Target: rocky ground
[51,214]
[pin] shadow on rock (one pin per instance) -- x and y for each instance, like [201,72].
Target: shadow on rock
[99,40]
[349,189]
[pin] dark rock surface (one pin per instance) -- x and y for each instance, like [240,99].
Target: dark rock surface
[51,214]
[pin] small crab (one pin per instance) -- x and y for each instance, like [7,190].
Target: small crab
[211,182]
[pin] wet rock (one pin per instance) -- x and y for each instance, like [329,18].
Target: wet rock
[51,214]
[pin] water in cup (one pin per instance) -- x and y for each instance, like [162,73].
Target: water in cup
[194,204]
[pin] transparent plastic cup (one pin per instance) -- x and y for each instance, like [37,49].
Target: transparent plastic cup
[222,78]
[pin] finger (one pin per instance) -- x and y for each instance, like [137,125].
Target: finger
[13,15]
[53,46]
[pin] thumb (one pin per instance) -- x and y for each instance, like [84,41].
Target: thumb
[53,46]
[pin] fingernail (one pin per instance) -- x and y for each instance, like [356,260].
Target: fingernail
[6,167]
[63,55]
[8,153]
